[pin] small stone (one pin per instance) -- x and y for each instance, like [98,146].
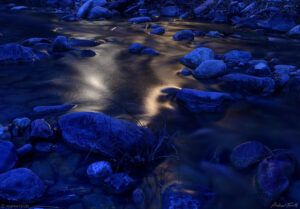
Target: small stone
[41,129]
[213,34]
[4,133]
[44,147]
[149,51]
[158,31]
[136,48]
[99,169]
[210,69]
[88,53]
[186,72]
[22,123]
[235,57]
[184,35]
[140,20]
[138,196]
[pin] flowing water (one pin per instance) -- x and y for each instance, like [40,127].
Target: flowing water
[129,86]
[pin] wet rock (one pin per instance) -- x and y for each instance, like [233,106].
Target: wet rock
[213,34]
[197,56]
[279,22]
[4,132]
[87,53]
[260,69]
[187,196]
[136,48]
[186,72]
[119,183]
[170,11]
[236,57]
[203,101]
[85,9]
[53,109]
[60,44]
[210,69]
[149,51]
[158,31]
[101,169]
[20,186]
[24,150]
[15,53]
[83,43]
[248,84]
[34,41]
[99,12]
[140,19]
[22,123]
[8,155]
[40,129]
[100,133]
[248,154]
[184,35]
[295,32]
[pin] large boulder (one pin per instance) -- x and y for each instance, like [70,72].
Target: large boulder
[187,196]
[203,101]
[197,56]
[295,32]
[20,186]
[184,35]
[8,155]
[85,9]
[236,57]
[99,12]
[210,69]
[99,133]
[170,11]
[15,53]
[248,84]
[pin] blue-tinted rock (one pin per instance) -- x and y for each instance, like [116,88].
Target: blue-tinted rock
[281,76]
[24,150]
[99,12]
[279,22]
[294,32]
[119,183]
[138,196]
[184,35]
[8,155]
[83,43]
[101,169]
[158,31]
[260,69]
[236,57]
[87,53]
[15,53]
[100,133]
[248,154]
[20,186]
[210,69]
[34,41]
[149,51]
[284,68]
[187,196]
[198,33]
[4,132]
[197,56]
[136,48]
[68,18]
[140,19]
[186,72]
[18,8]
[99,3]
[85,9]
[60,44]
[203,101]
[53,108]
[40,129]
[170,11]
[248,84]
[213,34]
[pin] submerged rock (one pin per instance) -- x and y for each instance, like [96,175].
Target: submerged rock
[213,34]
[15,53]
[203,101]
[119,183]
[100,133]
[40,129]
[184,35]
[136,48]
[8,155]
[53,108]
[20,186]
[247,154]
[236,57]
[187,196]
[210,69]
[197,56]
[101,169]
[248,84]
[140,20]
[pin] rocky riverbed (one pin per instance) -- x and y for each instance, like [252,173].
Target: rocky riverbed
[105,110]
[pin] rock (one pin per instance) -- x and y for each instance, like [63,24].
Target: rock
[136,48]
[4,132]
[140,20]
[158,31]
[85,9]
[87,53]
[170,11]
[34,41]
[248,84]
[100,133]
[24,150]
[236,57]
[184,35]
[99,3]
[197,56]
[101,169]
[119,183]
[187,196]
[83,43]
[53,109]
[138,196]
[60,44]
[68,18]
[198,33]
[284,68]
[40,129]
[202,101]
[210,69]
[15,53]
[149,51]
[213,34]
[22,123]
[44,147]
[294,32]
[281,77]
[248,154]
[202,8]
[8,155]
[185,72]
[279,22]
[20,186]
[99,12]
[260,69]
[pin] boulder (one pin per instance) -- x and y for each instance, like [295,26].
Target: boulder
[294,32]
[99,133]
[15,53]
[53,109]
[40,129]
[184,35]
[20,186]
[140,20]
[101,169]
[202,101]
[60,44]
[119,183]
[99,12]
[8,155]
[158,31]
[85,9]
[236,57]
[136,48]
[197,56]
[170,11]
[248,84]
[210,69]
